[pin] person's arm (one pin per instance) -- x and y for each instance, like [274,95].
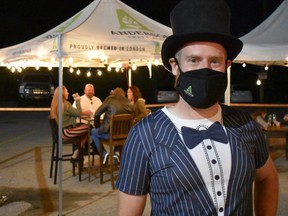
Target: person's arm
[131,205]
[72,111]
[262,122]
[74,104]
[266,190]
[102,109]
[141,110]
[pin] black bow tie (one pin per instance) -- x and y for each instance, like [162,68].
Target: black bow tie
[193,137]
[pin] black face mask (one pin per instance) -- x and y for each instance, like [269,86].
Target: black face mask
[201,88]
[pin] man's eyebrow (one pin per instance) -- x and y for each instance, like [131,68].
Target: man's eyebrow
[193,56]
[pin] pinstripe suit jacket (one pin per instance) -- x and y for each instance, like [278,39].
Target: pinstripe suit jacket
[155,161]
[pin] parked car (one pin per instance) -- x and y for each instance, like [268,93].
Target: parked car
[35,86]
[240,94]
[167,96]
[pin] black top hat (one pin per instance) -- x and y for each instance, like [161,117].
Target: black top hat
[200,20]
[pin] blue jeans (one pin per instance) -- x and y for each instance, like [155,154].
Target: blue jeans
[97,137]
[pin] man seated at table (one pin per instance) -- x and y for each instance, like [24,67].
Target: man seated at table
[116,103]
[88,101]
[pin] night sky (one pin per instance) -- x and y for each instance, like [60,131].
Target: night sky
[22,20]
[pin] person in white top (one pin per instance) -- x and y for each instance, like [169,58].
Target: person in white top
[259,116]
[88,100]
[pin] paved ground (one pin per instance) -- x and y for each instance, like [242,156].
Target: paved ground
[26,189]
[25,185]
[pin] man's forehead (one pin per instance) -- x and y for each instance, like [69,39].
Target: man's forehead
[199,48]
[89,87]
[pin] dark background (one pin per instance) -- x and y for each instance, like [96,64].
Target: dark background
[24,20]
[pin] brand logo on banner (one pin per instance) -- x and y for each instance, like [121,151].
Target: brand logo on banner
[128,22]
[62,28]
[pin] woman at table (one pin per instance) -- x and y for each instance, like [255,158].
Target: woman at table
[285,117]
[135,96]
[71,129]
[259,116]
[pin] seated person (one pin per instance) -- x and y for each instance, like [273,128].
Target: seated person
[135,96]
[88,100]
[259,116]
[116,103]
[71,129]
[285,118]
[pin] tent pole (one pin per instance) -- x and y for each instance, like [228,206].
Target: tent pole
[228,89]
[60,100]
[129,77]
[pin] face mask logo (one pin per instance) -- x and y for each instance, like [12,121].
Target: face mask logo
[189,91]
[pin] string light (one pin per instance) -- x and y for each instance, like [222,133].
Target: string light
[149,65]
[19,69]
[244,65]
[13,69]
[52,59]
[266,67]
[78,72]
[156,62]
[119,66]
[70,60]
[103,58]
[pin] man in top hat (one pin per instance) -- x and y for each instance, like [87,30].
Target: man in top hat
[198,157]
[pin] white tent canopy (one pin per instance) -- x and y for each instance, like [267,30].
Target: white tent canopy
[106,32]
[268,42]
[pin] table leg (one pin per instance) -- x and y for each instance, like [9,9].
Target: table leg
[89,141]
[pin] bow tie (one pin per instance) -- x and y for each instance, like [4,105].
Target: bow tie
[193,137]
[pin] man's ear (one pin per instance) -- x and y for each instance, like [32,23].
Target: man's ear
[174,66]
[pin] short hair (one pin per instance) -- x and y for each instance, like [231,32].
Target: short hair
[88,85]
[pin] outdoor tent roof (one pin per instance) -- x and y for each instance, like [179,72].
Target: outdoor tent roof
[106,32]
[268,42]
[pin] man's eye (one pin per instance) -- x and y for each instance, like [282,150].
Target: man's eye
[193,60]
